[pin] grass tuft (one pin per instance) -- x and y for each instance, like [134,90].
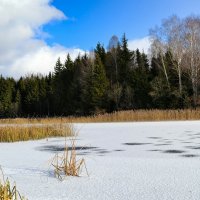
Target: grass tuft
[7,191]
[67,164]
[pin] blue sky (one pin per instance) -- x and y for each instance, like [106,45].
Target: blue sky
[34,33]
[90,21]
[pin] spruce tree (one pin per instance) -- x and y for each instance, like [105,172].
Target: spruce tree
[96,87]
[100,51]
[124,61]
[58,67]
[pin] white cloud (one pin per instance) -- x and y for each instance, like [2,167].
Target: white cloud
[42,60]
[21,51]
[142,44]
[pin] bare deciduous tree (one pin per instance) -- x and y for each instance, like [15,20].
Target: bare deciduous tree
[174,31]
[170,37]
[192,54]
[112,48]
[182,38]
[158,48]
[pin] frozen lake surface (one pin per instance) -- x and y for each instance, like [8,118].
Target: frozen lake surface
[125,161]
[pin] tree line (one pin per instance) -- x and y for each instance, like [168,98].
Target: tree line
[115,78]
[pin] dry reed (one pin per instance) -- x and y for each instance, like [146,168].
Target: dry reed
[120,116]
[33,132]
[68,164]
[7,191]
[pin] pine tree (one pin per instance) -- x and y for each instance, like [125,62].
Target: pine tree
[58,67]
[124,67]
[124,61]
[7,89]
[100,51]
[68,63]
[96,87]
[139,81]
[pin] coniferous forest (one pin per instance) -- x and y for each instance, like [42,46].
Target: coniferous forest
[115,78]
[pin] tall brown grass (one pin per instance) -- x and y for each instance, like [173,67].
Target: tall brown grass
[33,132]
[120,116]
[144,115]
[67,164]
[8,191]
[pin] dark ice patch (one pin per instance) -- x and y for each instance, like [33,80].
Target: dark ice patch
[135,143]
[57,148]
[189,155]
[173,151]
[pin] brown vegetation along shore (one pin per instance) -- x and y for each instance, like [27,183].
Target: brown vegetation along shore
[34,132]
[121,116]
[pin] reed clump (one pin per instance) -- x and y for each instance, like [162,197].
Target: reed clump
[119,116]
[67,164]
[144,115]
[9,191]
[33,132]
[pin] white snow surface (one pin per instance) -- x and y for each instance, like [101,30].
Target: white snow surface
[125,161]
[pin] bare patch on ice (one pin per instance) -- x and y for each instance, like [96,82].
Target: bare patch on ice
[193,147]
[190,155]
[173,151]
[118,150]
[154,137]
[135,143]
[155,150]
[57,148]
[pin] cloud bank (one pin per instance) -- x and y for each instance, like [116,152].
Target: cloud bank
[142,44]
[22,47]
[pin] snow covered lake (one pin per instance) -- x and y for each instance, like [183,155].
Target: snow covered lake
[125,161]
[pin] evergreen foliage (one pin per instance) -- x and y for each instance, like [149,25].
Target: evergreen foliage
[111,80]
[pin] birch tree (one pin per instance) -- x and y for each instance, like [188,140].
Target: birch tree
[174,33]
[158,49]
[182,38]
[170,37]
[192,54]
[113,49]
